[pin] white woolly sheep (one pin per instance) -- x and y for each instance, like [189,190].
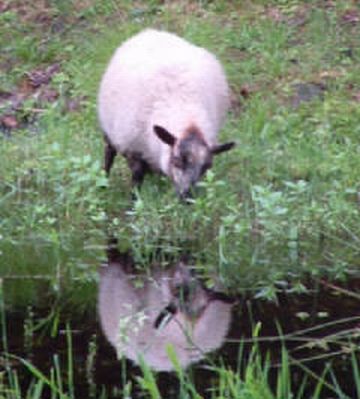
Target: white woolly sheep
[161,103]
[171,308]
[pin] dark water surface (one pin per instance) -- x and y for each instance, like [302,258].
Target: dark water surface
[317,328]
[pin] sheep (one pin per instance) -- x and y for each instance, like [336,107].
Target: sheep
[171,308]
[161,103]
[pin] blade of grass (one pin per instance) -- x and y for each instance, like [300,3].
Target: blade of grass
[39,375]
[70,363]
[57,373]
[356,372]
[148,381]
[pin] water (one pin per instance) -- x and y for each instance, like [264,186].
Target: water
[172,305]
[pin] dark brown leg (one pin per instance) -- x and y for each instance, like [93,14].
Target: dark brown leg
[110,153]
[122,259]
[138,168]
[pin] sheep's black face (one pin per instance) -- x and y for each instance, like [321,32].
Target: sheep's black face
[190,158]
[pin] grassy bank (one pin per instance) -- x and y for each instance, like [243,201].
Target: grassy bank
[285,200]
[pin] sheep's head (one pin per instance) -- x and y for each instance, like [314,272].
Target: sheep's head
[190,157]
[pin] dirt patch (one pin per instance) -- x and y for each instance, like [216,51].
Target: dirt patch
[239,95]
[351,17]
[36,12]
[305,92]
[39,77]
[295,16]
[21,107]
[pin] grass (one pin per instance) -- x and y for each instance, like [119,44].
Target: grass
[283,206]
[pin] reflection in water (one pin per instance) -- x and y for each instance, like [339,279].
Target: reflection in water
[145,316]
[318,328]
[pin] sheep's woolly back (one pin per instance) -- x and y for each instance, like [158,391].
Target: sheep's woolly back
[157,78]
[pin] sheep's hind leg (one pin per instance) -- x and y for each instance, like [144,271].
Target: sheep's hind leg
[109,156]
[138,168]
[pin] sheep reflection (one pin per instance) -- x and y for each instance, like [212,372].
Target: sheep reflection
[170,308]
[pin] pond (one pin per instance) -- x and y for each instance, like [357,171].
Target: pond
[168,319]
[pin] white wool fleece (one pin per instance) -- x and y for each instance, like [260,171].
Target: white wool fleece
[157,78]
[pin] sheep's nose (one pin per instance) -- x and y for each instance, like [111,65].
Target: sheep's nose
[186,196]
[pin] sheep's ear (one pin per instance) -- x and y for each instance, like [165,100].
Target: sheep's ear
[218,149]
[164,135]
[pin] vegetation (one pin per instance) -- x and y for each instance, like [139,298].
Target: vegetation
[282,207]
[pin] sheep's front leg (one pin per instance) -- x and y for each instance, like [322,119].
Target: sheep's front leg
[138,168]
[109,156]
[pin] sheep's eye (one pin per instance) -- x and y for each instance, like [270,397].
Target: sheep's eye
[181,162]
[178,162]
[187,160]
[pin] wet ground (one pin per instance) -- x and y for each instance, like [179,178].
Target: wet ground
[317,328]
